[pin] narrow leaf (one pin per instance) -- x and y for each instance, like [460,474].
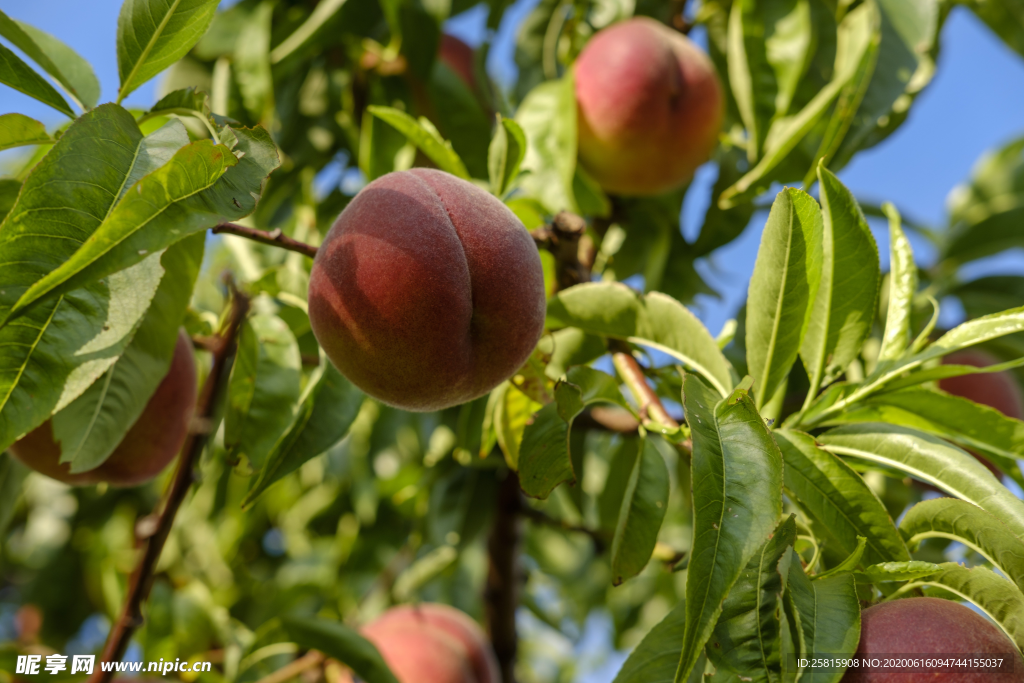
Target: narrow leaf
[958,520]
[55,58]
[153,34]
[999,599]
[92,426]
[544,457]
[655,320]
[263,388]
[505,154]
[828,616]
[12,474]
[852,561]
[307,30]
[20,76]
[644,503]
[656,657]
[737,501]
[929,459]
[326,411]
[18,130]
[902,288]
[784,283]
[844,310]
[839,498]
[746,639]
[428,140]
[337,640]
[897,571]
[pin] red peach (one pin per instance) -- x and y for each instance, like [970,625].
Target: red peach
[998,390]
[427,292]
[649,106]
[148,446]
[931,626]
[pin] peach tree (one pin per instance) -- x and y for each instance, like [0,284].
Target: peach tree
[478,379]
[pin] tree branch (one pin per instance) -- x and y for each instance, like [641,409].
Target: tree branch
[648,402]
[503,579]
[274,238]
[152,532]
[599,537]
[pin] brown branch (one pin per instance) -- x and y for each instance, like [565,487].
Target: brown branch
[275,238]
[572,248]
[599,537]
[648,402]
[152,531]
[503,578]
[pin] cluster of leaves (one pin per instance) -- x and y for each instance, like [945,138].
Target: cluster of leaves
[315,501]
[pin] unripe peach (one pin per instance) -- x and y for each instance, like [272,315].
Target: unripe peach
[458,57]
[649,107]
[433,643]
[427,292]
[998,390]
[148,446]
[931,626]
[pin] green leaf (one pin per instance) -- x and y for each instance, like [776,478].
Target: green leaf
[958,520]
[929,459]
[544,456]
[784,283]
[423,134]
[307,30]
[18,130]
[854,39]
[263,388]
[999,599]
[622,461]
[985,213]
[327,409]
[902,288]
[957,419]
[20,76]
[337,640]
[644,503]
[548,118]
[512,413]
[12,474]
[852,561]
[55,58]
[1004,17]
[656,657]
[746,639]
[654,320]
[827,613]
[92,426]
[201,185]
[184,102]
[251,65]
[737,501]
[460,118]
[508,147]
[898,571]
[9,189]
[838,498]
[153,34]
[844,309]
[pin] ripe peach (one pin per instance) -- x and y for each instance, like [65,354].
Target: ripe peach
[931,626]
[998,390]
[437,618]
[147,447]
[427,292]
[433,643]
[649,107]
[458,57]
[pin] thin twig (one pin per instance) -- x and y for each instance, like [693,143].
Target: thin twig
[294,668]
[540,517]
[275,238]
[153,533]
[647,401]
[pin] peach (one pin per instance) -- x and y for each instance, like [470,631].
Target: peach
[649,107]
[148,446]
[998,390]
[458,56]
[427,291]
[931,626]
[434,618]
